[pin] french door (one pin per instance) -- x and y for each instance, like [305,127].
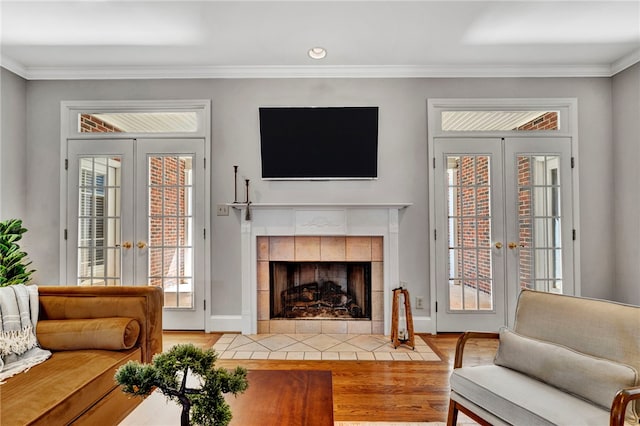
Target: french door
[136,217]
[503,223]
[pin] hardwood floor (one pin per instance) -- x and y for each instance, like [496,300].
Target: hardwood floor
[374,390]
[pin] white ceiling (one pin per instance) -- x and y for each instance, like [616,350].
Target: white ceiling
[420,38]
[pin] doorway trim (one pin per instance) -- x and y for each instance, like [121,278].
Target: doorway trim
[568,113]
[69,111]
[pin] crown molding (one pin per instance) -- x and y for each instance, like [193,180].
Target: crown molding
[327,71]
[625,62]
[13,66]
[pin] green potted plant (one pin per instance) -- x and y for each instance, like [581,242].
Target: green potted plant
[169,371]
[13,262]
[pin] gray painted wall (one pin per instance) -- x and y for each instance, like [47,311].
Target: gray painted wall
[402,166]
[13,143]
[626,143]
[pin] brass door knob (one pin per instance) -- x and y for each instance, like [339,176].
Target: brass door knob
[126,244]
[512,245]
[498,245]
[141,244]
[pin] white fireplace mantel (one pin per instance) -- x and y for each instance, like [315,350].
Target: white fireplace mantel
[290,219]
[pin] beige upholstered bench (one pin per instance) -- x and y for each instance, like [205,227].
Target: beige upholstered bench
[567,361]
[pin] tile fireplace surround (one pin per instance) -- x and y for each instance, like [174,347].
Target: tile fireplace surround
[320,249]
[359,228]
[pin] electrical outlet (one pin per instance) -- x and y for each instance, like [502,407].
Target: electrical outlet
[222,210]
[419,302]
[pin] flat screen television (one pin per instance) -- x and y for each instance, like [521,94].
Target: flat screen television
[319,143]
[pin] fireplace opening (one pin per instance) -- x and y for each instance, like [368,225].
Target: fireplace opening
[320,290]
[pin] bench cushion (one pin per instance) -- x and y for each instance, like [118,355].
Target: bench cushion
[521,400]
[595,379]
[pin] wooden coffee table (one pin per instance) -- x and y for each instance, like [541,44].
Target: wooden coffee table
[274,398]
[284,397]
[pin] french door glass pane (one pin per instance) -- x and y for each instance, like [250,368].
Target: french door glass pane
[539,221]
[170,219]
[469,232]
[99,192]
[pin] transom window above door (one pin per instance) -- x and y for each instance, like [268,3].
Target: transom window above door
[491,121]
[178,118]
[138,122]
[501,117]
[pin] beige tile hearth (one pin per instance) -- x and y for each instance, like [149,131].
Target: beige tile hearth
[356,347]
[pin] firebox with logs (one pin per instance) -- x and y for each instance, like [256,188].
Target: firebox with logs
[312,300]
[346,296]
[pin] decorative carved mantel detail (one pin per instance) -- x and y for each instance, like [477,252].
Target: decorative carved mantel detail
[349,219]
[319,222]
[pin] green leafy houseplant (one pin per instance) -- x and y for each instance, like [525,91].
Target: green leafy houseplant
[169,371]
[13,262]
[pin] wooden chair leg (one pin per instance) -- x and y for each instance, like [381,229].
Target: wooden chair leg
[452,417]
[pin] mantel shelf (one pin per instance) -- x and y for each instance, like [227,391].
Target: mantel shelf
[398,206]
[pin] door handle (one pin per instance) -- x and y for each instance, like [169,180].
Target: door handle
[126,245]
[498,245]
[513,245]
[141,244]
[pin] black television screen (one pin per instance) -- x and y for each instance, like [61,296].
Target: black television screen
[319,142]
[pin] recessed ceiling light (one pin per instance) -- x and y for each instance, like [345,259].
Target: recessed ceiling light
[317,52]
